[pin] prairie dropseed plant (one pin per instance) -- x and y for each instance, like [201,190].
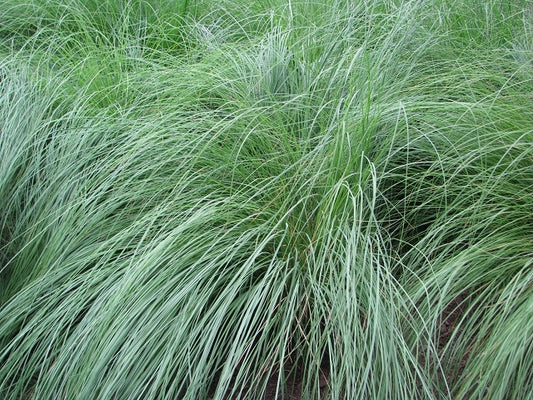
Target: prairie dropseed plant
[277,200]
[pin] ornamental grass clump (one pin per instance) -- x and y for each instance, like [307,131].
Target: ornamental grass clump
[289,200]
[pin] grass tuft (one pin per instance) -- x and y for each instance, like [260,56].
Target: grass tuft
[277,200]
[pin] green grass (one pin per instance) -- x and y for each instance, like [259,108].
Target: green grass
[201,200]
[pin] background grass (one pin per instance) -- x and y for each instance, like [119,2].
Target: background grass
[227,199]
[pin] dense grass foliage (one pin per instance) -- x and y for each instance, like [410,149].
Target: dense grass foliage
[281,199]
